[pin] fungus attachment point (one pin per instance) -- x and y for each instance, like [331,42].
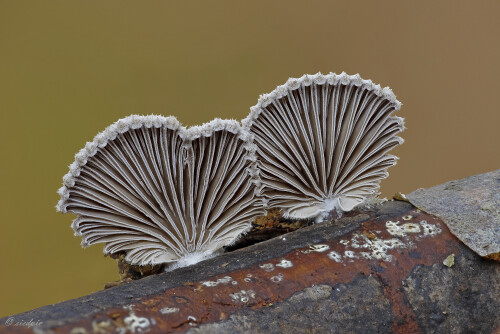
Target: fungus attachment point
[163,193]
[323,141]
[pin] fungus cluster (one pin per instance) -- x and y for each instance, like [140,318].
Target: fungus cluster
[164,193]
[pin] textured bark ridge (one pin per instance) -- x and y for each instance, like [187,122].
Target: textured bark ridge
[376,271]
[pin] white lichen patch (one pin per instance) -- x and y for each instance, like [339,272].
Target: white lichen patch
[192,320]
[248,279]
[344,242]
[135,324]
[350,254]
[430,230]
[380,248]
[243,296]
[319,248]
[102,326]
[278,278]
[366,255]
[333,255]
[268,267]
[359,241]
[407,229]
[402,230]
[372,248]
[285,264]
[316,248]
[411,228]
[223,280]
[169,310]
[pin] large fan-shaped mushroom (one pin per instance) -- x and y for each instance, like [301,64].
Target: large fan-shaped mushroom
[323,141]
[163,193]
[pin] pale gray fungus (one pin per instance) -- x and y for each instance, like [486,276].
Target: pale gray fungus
[323,141]
[163,193]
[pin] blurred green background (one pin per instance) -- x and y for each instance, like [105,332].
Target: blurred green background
[68,69]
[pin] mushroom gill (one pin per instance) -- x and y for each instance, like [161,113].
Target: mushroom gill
[163,193]
[322,142]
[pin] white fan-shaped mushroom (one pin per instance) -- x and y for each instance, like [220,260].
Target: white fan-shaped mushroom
[323,141]
[163,193]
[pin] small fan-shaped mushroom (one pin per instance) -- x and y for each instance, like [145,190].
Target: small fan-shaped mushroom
[163,193]
[323,141]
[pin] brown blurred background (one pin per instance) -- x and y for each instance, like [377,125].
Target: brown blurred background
[68,69]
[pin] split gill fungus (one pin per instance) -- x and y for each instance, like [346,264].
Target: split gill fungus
[163,193]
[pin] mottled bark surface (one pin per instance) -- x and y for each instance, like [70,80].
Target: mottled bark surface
[318,309]
[462,299]
[378,271]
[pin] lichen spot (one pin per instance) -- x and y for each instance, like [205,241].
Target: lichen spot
[101,325]
[430,230]
[169,310]
[333,255]
[243,296]
[350,254]
[319,248]
[380,248]
[268,267]
[135,324]
[285,264]
[366,255]
[408,217]
[402,230]
[278,278]
[192,320]
[223,280]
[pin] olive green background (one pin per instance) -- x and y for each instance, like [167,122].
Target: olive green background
[68,69]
